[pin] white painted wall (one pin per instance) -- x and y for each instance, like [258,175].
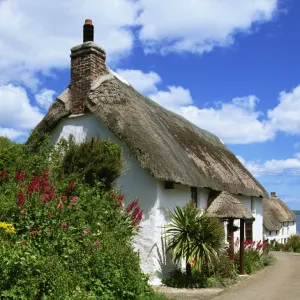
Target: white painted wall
[254,205]
[281,236]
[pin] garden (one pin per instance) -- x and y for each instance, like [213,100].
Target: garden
[198,240]
[292,244]
[65,232]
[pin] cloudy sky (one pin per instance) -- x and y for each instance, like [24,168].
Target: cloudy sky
[231,67]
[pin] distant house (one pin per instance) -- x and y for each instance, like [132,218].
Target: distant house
[169,160]
[278,220]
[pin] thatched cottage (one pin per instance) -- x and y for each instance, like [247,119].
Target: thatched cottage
[169,160]
[278,220]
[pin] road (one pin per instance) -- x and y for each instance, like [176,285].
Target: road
[278,282]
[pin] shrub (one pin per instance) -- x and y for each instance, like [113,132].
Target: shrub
[67,241]
[274,245]
[293,243]
[93,161]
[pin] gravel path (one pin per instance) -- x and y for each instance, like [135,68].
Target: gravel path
[278,282]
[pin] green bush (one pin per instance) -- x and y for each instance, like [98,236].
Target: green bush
[274,245]
[93,160]
[65,239]
[293,243]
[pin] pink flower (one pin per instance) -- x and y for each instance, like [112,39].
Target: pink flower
[34,233]
[97,244]
[86,231]
[64,198]
[24,211]
[74,200]
[64,225]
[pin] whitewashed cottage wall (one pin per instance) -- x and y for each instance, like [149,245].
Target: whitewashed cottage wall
[281,235]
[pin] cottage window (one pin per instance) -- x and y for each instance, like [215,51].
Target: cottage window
[276,232]
[249,232]
[169,185]
[270,232]
[194,194]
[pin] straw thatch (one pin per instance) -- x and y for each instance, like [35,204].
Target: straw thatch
[226,206]
[275,212]
[166,145]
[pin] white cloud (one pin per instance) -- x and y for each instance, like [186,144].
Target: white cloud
[37,35]
[289,166]
[144,82]
[286,116]
[12,133]
[45,98]
[199,26]
[16,113]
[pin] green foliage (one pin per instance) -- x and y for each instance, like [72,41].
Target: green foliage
[274,245]
[93,161]
[293,243]
[17,156]
[225,267]
[194,236]
[62,239]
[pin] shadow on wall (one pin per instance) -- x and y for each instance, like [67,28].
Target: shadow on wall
[166,265]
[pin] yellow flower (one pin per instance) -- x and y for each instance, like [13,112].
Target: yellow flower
[8,228]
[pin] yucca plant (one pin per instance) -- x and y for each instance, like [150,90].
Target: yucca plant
[194,236]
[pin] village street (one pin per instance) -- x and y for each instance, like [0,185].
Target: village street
[278,282]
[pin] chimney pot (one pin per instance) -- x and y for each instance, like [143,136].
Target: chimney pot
[273,194]
[88,31]
[88,22]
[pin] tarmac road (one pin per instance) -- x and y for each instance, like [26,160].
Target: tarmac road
[278,282]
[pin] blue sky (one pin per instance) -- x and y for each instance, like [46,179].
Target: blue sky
[228,66]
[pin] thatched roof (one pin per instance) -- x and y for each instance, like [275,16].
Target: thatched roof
[275,212]
[226,206]
[168,146]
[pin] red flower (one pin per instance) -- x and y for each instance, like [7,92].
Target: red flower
[120,199]
[64,225]
[60,206]
[64,198]
[70,187]
[20,175]
[132,205]
[33,186]
[21,199]
[3,174]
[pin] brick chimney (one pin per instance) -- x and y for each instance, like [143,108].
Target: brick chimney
[87,63]
[273,194]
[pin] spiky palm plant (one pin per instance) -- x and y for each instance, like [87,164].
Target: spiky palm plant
[194,236]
